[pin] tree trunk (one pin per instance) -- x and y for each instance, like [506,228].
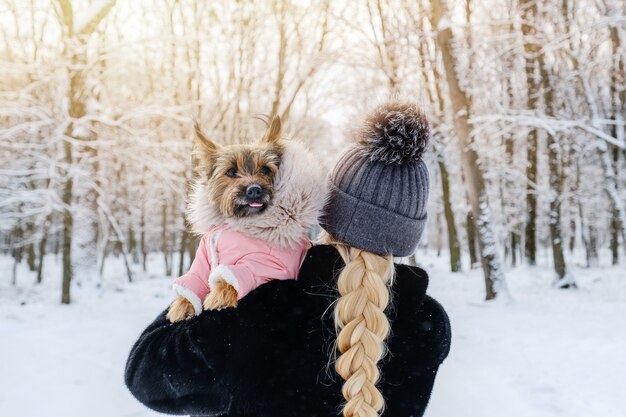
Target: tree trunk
[471,239]
[142,226]
[56,246]
[104,251]
[531,49]
[515,241]
[84,205]
[132,245]
[611,184]
[581,219]
[555,179]
[530,246]
[572,239]
[507,196]
[16,252]
[556,185]
[439,240]
[494,276]
[42,254]
[618,98]
[80,220]
[573,225]
[453,239]
[165,244]
[30,252]
[593,246]
[67,228]
[14,269]
[181,252]
[282,51]
[614,237]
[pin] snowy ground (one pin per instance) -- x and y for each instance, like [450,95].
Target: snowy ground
[550,353]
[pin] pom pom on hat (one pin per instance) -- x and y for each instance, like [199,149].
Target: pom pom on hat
[395,133]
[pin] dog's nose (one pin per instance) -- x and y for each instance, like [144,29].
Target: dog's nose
[254,191]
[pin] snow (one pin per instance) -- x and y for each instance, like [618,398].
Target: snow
[549,353]
[72,355]
[552,352]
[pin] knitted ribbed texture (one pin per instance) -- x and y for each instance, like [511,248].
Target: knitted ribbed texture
[402,189]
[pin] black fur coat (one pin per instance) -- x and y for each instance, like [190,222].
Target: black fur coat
[272,355]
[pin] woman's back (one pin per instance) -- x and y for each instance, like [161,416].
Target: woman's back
[303,364]
[274,354]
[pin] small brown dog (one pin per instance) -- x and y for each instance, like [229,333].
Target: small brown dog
[253,203]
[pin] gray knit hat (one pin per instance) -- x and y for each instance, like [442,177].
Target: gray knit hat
[379,187]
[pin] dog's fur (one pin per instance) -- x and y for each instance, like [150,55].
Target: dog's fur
[294,190]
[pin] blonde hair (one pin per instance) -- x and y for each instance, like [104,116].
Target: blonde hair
[362,327]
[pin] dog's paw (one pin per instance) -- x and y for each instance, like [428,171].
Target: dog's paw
[180,309]
[223,295]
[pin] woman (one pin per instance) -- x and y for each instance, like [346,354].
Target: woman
[315,346]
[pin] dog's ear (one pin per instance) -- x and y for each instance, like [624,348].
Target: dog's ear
[274,131]
[204,149]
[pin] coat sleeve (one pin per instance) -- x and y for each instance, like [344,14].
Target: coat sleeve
[194,285]
[178,368]
[251,271]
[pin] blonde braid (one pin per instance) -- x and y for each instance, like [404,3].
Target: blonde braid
[362,328]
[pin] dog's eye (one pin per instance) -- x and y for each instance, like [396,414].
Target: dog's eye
[231,173]
[264,170]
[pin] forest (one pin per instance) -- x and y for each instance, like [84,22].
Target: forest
[526,99]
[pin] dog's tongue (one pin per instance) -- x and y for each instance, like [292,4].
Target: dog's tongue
[256,204]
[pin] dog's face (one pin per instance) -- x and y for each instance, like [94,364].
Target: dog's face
[240,178]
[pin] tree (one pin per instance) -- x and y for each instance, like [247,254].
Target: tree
[79,197]
[534,62]
[492,267]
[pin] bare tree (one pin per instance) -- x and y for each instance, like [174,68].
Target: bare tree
[79,197]
[492,267]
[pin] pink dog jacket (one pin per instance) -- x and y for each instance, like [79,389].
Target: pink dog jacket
[242,261]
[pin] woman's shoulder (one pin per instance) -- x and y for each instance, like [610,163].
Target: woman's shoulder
[322,252]
[323,263]
[412,282]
